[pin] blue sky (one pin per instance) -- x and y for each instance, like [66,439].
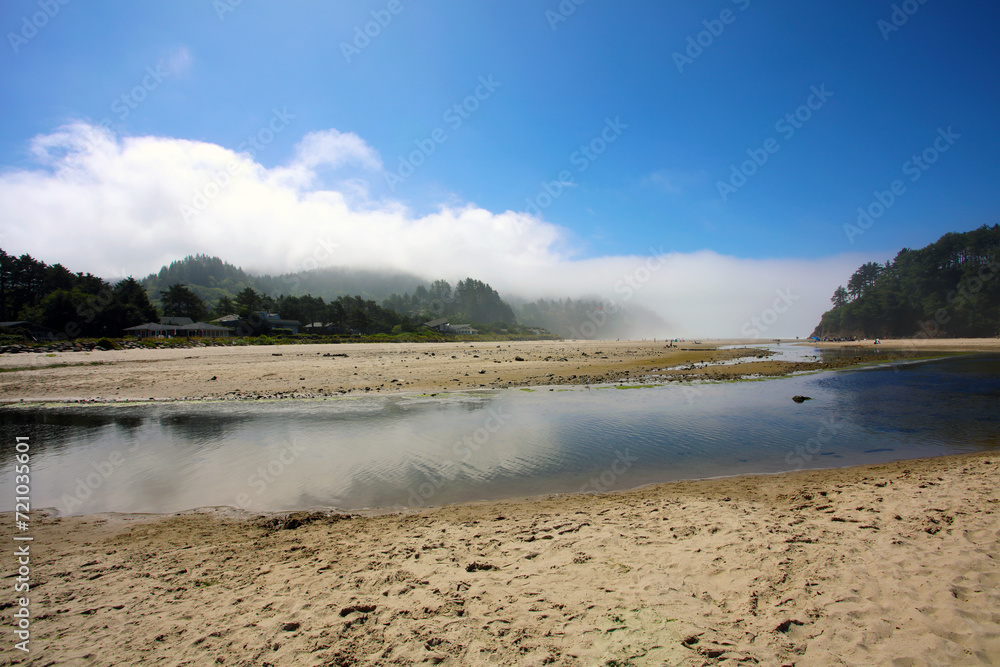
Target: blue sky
[676,120]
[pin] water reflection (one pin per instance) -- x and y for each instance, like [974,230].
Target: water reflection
[418,450]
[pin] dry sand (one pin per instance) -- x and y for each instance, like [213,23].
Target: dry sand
[319,370]
[891,564]
[313,370]
[894,564]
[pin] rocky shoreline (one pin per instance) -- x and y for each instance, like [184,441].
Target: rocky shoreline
[91,346]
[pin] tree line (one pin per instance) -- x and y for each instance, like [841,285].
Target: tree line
[81,304]
[470,301]
[343,315]
[950,288]
[212,278]
[217,282]
[72,304]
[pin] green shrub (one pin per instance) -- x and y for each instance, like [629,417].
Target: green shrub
[13,338]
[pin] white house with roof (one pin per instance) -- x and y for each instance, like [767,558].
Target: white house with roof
[442,325]
[191,330]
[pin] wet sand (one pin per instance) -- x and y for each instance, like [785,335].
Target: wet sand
[918,345]
[893,564]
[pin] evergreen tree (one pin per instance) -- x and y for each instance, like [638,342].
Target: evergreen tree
[130,307]
[179,301]
[949,288]
[477,302]
[224,307]
[248,302]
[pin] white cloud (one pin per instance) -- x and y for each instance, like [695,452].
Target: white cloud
[334,149]
[114,206]
[178,62]
[672,181]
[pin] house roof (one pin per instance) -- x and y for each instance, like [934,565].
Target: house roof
[30,326]
[436,323]
[204,326]
[152,326]
[194,326]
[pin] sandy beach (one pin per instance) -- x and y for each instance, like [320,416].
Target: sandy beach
[297,371]
[893,564]
[316,370]
[917,345]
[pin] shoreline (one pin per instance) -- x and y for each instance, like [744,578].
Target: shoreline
[337,370]
[236,513]
[917,344]
[316,371]
[799,567]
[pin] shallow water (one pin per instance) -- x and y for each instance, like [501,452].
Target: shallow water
[395,451]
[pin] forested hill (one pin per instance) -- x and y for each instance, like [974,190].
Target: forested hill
[471,301]
[212,278]
[591,318]
[208,277]
[218,283]
[950,288]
